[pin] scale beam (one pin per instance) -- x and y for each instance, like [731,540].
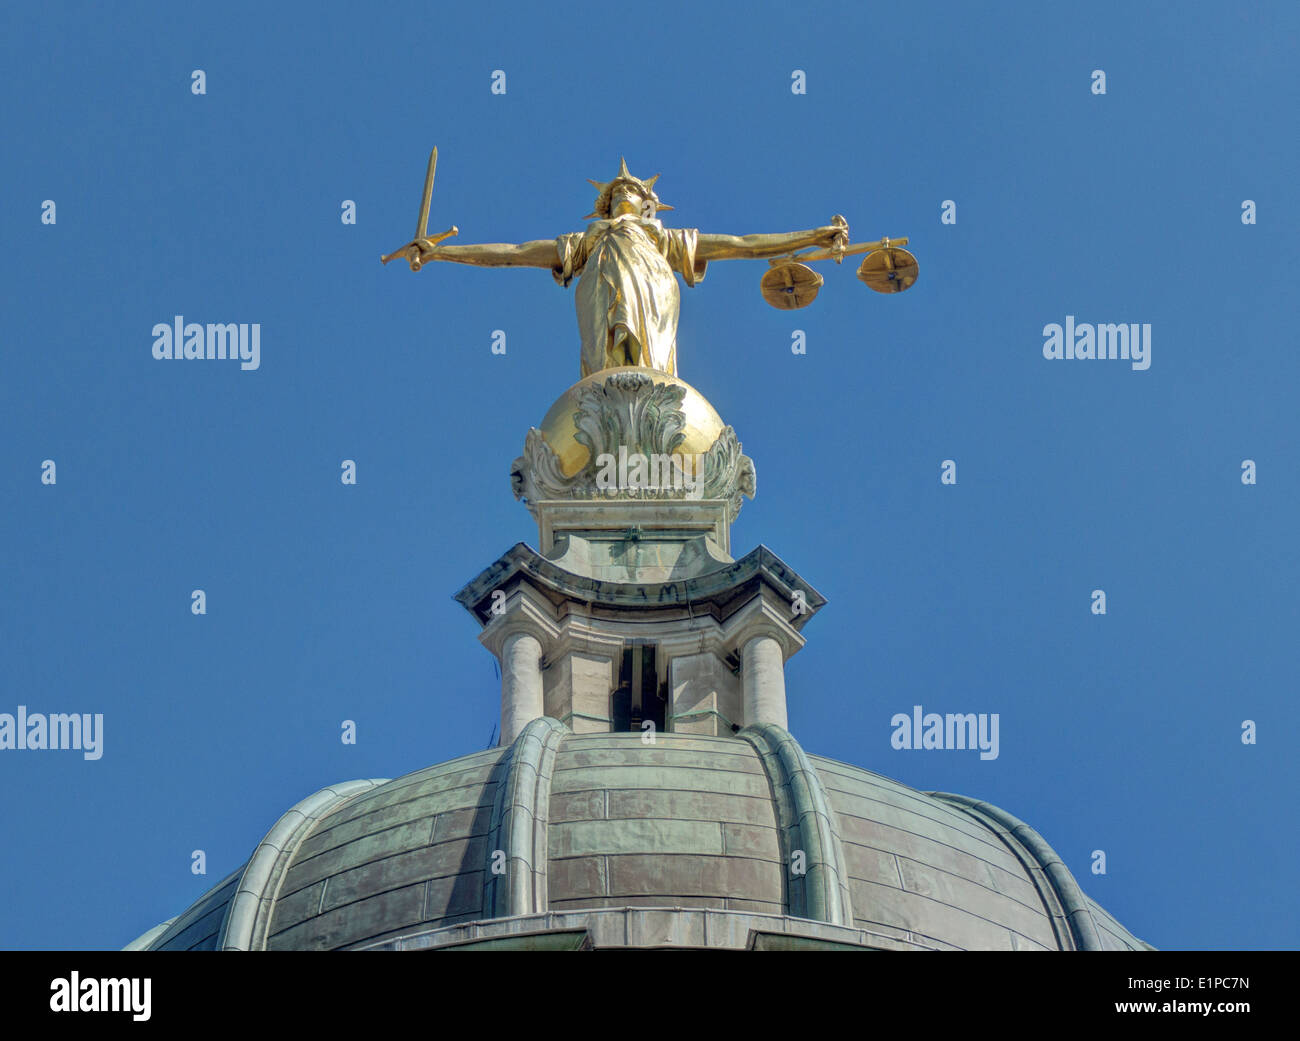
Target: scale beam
[848,251]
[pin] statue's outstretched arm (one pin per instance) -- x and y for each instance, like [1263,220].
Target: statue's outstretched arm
[538,253]
[745,247]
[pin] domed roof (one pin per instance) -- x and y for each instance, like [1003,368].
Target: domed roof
[604,840]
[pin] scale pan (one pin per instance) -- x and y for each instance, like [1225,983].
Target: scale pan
[789,285]
[889,270]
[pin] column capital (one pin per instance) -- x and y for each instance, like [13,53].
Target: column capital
[523,610]
[764,615]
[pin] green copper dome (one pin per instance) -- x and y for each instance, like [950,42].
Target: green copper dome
[603,841]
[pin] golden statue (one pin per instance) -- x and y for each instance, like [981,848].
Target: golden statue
[625,260]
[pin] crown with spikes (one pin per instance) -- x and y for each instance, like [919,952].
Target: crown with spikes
[606,189]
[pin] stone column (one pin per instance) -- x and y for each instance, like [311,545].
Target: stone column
[521,684]
[762,674]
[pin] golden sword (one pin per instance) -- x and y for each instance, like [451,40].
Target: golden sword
[422,242]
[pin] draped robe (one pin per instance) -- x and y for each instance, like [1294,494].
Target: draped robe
[627,297]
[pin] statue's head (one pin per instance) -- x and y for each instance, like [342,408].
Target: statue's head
[626,194]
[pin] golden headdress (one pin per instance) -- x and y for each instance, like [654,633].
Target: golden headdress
[644,188]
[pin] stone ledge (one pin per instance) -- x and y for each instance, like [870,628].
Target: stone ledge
[647,927]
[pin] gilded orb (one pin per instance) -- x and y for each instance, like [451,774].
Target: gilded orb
[703,424]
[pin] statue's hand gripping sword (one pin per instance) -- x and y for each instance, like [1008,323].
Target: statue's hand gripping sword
[423,242]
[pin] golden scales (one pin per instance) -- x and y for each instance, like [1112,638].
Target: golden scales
[790,283]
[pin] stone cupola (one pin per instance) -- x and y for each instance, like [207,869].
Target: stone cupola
[634,615]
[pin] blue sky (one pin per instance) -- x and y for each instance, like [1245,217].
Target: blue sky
[326,602]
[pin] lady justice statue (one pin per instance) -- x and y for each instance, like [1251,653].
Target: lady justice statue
[629,405]
[627,297]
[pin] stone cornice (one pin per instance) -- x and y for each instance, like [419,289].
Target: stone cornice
[720,593]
